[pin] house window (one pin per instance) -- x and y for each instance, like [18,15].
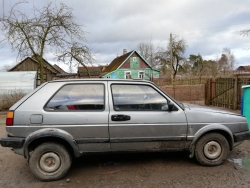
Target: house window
[155,75]
[128,75]
[134,63]
[141,75]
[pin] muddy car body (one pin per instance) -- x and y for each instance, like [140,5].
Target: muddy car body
[69,118]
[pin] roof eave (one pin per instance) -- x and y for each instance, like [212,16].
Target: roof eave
[125,60]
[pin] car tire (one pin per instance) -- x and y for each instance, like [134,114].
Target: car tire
[211,149]
[50,161]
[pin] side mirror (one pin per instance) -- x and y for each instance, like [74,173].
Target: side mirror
[168,107]
[164,107]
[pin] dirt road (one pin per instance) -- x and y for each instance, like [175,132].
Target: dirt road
[153,170]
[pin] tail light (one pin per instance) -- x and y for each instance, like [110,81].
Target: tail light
[10,118]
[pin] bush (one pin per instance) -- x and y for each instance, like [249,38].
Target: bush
[10,97]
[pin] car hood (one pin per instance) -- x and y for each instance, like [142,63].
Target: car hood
[199,108]
[202,116]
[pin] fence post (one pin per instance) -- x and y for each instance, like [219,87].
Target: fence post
[235,93]
[208,92]
[212,90]
[173,82]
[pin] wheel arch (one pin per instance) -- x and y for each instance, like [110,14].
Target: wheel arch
[50,135]
[218,129]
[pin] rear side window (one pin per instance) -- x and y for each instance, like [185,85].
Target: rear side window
[86,97]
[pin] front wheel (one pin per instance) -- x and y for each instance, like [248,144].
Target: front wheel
[50,161]
[211,149]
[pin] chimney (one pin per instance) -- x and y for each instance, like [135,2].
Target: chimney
[124,51]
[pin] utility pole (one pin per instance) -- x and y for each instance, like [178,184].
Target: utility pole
[171,63]
[171,56]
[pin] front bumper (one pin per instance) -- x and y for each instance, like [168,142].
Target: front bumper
[238,137]
[13,142]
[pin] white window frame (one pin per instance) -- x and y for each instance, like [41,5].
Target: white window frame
[156,76]
[125,75]
[134,59]
[139,75]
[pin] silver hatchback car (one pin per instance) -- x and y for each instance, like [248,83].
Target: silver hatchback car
[64,119]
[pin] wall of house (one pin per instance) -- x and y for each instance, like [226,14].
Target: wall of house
[29,65]
[156,74]
[129,64]
[48,75]
[120,74]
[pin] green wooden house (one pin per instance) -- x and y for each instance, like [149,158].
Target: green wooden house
[128,66]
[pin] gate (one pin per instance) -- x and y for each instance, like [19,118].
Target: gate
[225,92]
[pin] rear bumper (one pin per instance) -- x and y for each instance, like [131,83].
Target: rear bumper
[13,142]
[238,137]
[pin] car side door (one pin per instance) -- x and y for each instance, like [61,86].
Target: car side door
[139,119]
[81,109]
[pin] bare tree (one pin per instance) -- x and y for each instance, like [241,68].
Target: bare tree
[198,65]
[146,50]
[5,68]
[212,67]
[46,29]
[162,58]
[245,32]
[178,49]
[77,54]
[226,61]
[186,68]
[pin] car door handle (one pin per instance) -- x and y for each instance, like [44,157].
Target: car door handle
[120,118]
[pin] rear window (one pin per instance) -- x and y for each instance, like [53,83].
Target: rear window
[74,97]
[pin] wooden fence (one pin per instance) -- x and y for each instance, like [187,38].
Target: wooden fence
[189,90]
[225,92]
[179,81]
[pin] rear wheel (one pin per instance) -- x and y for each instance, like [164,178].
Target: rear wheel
[211,149]
[50,161]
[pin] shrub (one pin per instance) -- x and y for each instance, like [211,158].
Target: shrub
[10,97]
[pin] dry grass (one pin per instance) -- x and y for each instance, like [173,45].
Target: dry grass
[10,97]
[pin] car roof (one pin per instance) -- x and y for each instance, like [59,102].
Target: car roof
[99,79]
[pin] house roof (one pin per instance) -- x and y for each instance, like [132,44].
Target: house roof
[59,69]
[46,64]
[94,71]
[117,62]
[244,68]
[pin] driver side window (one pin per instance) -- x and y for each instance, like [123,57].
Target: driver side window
[137,98]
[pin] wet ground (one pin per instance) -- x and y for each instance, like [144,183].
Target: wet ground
[153,170]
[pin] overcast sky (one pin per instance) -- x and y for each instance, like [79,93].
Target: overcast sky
[208,26]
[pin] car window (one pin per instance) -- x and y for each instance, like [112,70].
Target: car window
[78,97]
[136,97]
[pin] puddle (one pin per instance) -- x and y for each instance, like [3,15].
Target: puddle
[242,163]
[246,163]
[237,161]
